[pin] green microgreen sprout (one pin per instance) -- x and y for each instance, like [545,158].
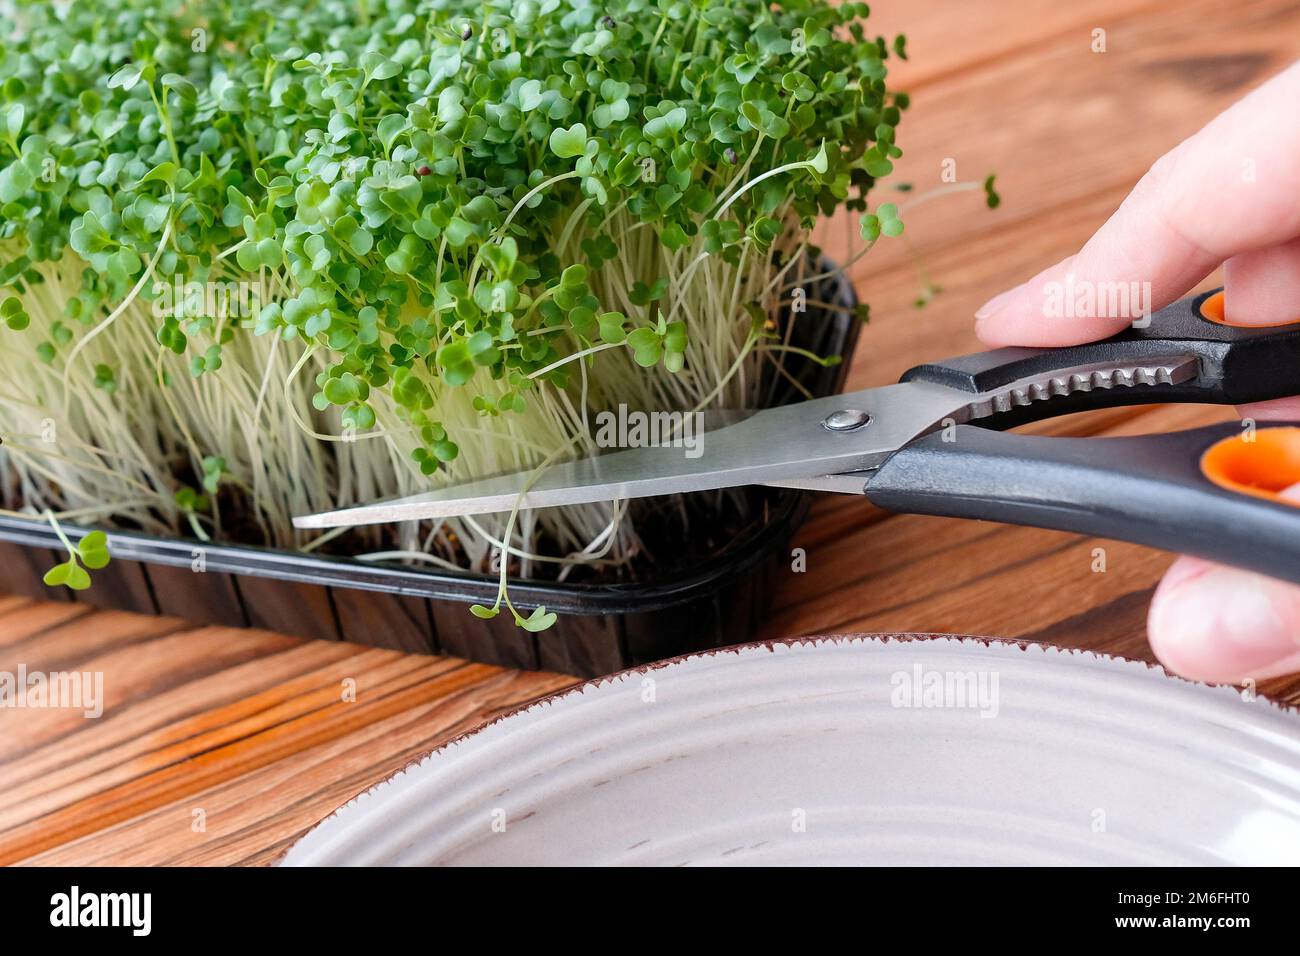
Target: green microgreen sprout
[540,619]
[11,310]
[91,552]
[214,467]
[883,222]
[192,504]
[105,378]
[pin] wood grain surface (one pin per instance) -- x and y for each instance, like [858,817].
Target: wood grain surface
[221,745]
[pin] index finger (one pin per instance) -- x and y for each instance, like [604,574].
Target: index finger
[1231,188]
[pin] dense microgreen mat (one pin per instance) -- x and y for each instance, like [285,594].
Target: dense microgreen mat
[265,257]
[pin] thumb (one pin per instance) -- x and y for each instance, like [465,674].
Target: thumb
[1214,623]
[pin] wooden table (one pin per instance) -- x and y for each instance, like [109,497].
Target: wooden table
[224,745]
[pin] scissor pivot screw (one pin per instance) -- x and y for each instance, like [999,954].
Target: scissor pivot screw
[845,420]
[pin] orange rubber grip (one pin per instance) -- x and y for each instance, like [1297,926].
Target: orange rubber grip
[1262,463]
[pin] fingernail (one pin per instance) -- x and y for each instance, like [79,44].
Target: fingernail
[996,303]
[1225,625]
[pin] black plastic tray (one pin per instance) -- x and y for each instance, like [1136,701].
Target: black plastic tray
[601,628]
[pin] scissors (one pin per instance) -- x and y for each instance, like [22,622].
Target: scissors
[936,444]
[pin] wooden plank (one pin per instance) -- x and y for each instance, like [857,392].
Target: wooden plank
[304,610]
[393,621]
[1061,124]
[201,709]
[207,597]
[21,571]
[586,645]
[498,641]
[32,620]
[121,586]
[950,38]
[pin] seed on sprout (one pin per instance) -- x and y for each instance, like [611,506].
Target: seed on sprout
[466,32]
[423,171]
[730,155]
[608,22]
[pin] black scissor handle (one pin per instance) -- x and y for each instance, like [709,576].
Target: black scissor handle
[1156,490]
[1236,364]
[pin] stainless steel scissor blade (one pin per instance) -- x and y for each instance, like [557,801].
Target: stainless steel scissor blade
[785,446]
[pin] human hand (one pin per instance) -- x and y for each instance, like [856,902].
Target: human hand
[1230,196]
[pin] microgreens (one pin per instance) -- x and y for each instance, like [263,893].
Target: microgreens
[404,195]
[465,224]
